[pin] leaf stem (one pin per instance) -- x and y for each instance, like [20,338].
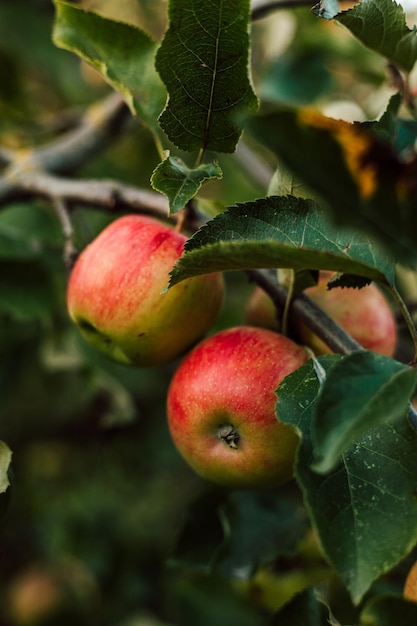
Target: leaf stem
[288,302]
[200,157]
[158,145]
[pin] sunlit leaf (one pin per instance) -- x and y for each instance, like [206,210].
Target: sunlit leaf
[179,183]
[381,26]
[203,61]
[122,53]
[279,232]
[365,510]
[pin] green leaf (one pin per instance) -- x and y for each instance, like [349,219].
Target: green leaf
[365,511]
[26,290]
[203,61]
[208,599]
[122,53]
[5,461]
[258,527]
[179,183]
[279,232]
[331,155]
[303,610]
[389,609]
[26,231]
[381,26]
[14,245]
[362,391]
[297,77]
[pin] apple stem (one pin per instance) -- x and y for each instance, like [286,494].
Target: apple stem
[229,435]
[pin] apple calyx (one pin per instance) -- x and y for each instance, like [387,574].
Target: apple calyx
[229,435]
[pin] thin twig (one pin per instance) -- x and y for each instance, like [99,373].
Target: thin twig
[102,123]
[70,251]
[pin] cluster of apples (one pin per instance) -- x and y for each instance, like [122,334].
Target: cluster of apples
[221,400]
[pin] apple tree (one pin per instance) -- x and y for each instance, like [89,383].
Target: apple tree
[279,136]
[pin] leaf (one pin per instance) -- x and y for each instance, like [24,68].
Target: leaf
[303,610]
[381,26]
[26,231]
[201,533]
[361,392]
[297,77]
[258,527]
[208,599]
[203,61]
[389,609]
[122,53]
[179,183]
[331,155]
[26,290]
[279,232]
[365,511]
[5,461]
[14,245]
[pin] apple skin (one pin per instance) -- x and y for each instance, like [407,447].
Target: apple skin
[221,408]
[410,585]
[115,294]
[364,313]
[260,310]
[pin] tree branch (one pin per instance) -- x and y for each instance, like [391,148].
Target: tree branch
[303,309]
[100,125]
[103,194]
[262,8]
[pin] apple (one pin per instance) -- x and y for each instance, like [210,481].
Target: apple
[410,585]
[364,313]
[115,294]
[44,593]
[221,408]
[260,310]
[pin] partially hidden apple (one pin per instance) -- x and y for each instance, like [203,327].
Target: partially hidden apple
[363,313]
[117,294]
[221,408]
[410,585]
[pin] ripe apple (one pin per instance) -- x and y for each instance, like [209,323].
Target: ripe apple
[410,586]
[221,408]
[115,294]
[364,313]
[51,594]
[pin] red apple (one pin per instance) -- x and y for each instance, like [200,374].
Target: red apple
[364,313]
[115,294]
[221,408]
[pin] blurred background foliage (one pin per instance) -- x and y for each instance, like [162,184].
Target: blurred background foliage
[104,523]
